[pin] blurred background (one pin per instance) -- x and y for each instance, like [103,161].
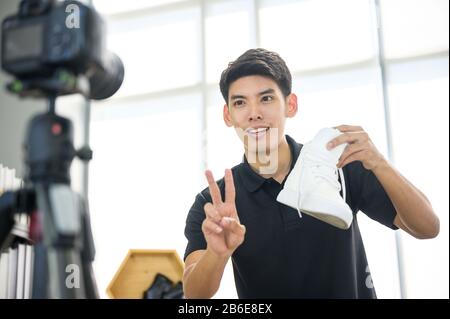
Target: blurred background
[382,65]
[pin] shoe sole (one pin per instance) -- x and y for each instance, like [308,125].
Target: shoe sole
[342,216]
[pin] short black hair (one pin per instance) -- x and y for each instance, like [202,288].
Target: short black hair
[257,62]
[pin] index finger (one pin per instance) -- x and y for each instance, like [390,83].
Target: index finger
[230,192]
[213,188]
[348,128]
[341,139]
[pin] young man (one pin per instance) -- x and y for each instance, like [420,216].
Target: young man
[275,253]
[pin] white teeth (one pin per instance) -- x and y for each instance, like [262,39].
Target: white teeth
[258,130]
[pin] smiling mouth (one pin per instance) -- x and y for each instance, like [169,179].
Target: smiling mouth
[256,132]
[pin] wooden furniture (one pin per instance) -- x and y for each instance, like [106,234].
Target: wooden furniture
[137,272]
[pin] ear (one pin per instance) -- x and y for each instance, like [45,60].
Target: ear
[291,105]
[227,116]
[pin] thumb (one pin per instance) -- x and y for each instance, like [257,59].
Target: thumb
[233,225]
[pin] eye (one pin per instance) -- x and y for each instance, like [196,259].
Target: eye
[239,103]
[267,98]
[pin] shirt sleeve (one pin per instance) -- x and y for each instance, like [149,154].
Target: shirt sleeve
[193,228]
[368,195]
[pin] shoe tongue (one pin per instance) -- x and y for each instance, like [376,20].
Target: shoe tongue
[320,141]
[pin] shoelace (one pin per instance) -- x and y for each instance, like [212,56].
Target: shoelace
[322,168]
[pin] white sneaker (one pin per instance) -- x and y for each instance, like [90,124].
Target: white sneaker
[313,187]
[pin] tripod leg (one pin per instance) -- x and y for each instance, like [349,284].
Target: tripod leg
[40,273]
[61,237]
[67,277]
[89,280]
[88,253]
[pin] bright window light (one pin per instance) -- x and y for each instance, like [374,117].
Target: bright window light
[158,54]
[319,33]
[414,27]
[143,178]
[227,35]
[420,122]
[109,7]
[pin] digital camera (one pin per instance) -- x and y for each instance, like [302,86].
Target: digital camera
[46,35]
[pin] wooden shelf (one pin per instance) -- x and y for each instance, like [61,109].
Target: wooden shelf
[138,270]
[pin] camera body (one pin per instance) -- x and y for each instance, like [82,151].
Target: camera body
[37,44]
[49,35]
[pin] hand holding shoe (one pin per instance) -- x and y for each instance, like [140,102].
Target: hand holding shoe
[360,148]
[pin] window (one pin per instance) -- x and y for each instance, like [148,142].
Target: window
[144,176]
[414,28]
[168,115]
[107,7]
[318,34]
[158,54]
[420,124]
[227,28]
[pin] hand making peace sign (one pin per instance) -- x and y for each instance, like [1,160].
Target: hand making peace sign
[222,229]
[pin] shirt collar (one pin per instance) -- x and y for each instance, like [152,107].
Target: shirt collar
[252,180]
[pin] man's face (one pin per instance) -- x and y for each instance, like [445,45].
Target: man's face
[258,110]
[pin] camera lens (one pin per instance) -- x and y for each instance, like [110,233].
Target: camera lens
[106,81]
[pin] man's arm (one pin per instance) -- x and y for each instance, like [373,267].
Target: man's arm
[223,234]
[202,275]
[414,212]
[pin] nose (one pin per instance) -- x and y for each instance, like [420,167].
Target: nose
[255,113]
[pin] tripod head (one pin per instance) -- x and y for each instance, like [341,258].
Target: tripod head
[49,149]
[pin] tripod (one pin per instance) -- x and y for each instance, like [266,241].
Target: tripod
[59,218]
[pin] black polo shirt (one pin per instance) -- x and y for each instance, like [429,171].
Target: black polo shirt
[288,256]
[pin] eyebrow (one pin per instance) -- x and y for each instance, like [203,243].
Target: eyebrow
[238,96]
